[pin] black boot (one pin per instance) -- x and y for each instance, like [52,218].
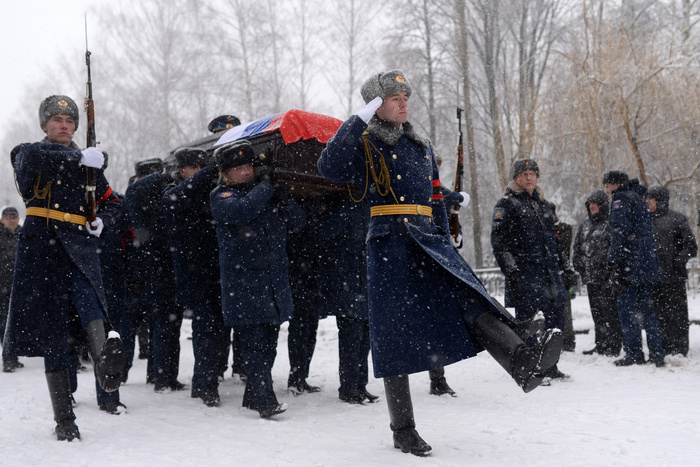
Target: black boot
[438,383]
[526,365]
[59,390]
[108,356]
[398,399]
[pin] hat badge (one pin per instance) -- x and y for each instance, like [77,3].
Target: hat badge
[62,103]
[400,79]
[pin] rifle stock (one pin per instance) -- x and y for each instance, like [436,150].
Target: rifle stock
[459,174]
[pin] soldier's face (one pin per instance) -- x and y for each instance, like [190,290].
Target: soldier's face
[241,174]
[394,109]
[60,128]
[187,172]
[527,180]
[651,202]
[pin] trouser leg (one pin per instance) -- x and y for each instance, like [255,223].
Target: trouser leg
[207,327]
[629,324]
[259,349]
[349,354]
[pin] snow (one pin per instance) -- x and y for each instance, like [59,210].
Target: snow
[640,415]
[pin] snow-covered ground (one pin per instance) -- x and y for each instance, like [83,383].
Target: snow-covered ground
[640,415]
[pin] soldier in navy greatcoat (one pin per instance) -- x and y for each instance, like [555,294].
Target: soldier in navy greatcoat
[57,292]
[252,218]
[427,308]
[195,252]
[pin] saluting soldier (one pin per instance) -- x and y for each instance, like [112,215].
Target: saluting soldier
[427,308]
[58,270]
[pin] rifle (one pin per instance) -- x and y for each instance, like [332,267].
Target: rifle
[91,140]
[459,173]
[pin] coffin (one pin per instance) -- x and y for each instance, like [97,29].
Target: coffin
[291,141]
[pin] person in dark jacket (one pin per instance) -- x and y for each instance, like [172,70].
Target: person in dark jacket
[590,258]
[675,245]
[427,308]
[9,223]
[523,238]
[303,326]
[143,198]
[565,235]
[340,228]
[635,267]
[195,252]
[252,218]
[57,292]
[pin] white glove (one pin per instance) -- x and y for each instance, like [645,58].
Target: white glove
[465,201]
[456,243]
[92,157]
[96,227]
[366,112]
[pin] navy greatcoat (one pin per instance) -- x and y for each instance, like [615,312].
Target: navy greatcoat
[49,176]
[415,322]
[253,260]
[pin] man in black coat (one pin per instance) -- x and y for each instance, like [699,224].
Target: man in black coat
[195,252]
[525,246]
[9,223]
[590,258]
[675,245]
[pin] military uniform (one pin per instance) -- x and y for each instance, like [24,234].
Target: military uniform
[416,322]
[57,259]
[195,253]
[251,228]
[143,198]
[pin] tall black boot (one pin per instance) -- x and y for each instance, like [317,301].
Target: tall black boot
[59,390]
[526,365]
[398,399]
[108,355]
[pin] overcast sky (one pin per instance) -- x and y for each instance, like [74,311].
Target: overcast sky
[35,32]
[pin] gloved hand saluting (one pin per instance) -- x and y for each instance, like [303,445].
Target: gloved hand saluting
[92,157]
[366,112]
[96,227]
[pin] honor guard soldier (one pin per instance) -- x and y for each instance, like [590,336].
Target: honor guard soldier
[57,293]
[9,223]
[427,308]
[252,217]
[195,252]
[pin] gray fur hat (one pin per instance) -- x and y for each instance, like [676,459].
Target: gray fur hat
[383,84]
[521,165]
[58,104]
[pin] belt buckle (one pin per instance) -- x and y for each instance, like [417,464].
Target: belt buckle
[66,217]
[419,210]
